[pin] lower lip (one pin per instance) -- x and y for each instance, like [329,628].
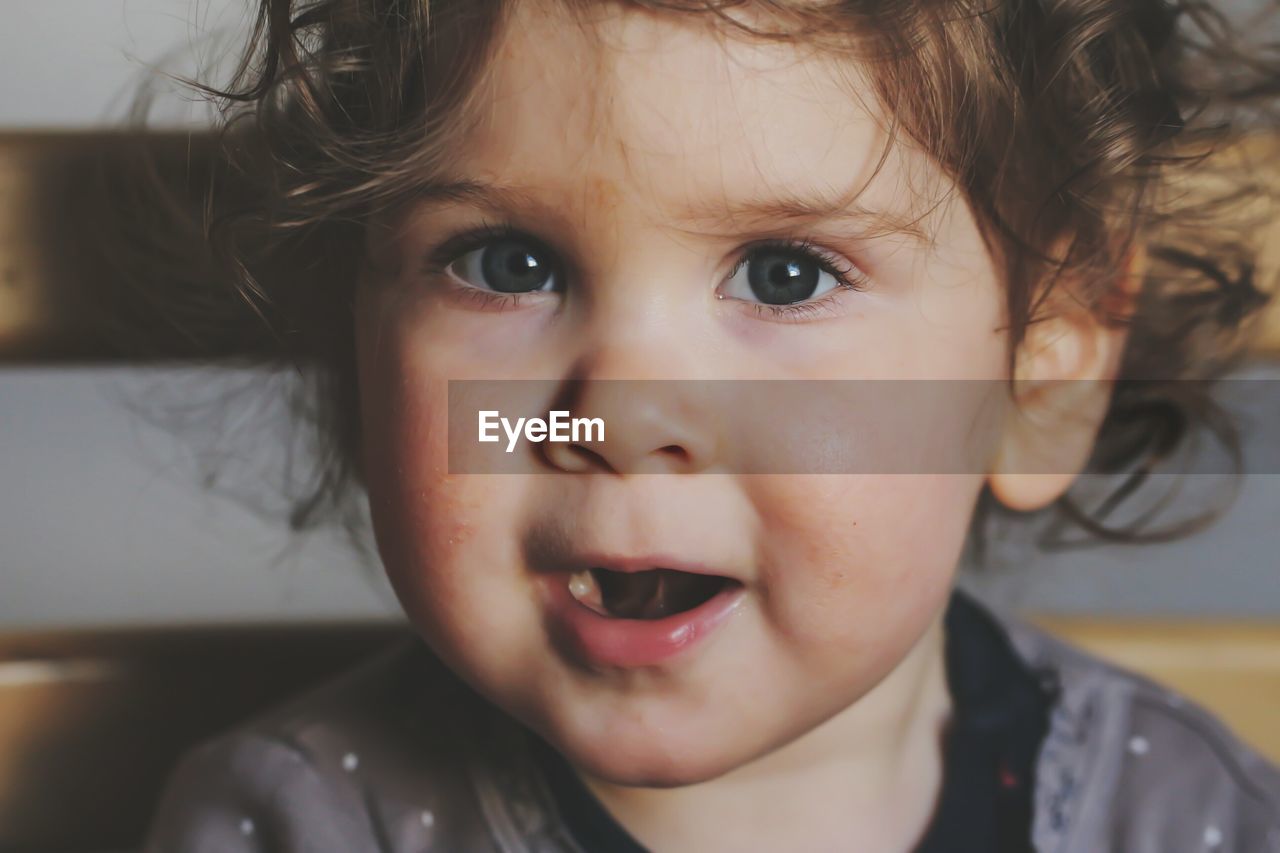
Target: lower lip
[606,641]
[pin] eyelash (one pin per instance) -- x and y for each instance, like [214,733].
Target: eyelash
[847,276]
[439,259]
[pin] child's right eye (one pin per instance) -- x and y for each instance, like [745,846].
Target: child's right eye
[507,265]
[497,261]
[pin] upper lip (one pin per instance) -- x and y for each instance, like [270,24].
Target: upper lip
[620,563]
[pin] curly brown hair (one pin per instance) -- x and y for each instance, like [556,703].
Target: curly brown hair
[1079,131]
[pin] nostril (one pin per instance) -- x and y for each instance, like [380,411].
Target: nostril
[574,458]
[588,455]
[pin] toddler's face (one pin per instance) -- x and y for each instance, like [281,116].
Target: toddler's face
[613,173]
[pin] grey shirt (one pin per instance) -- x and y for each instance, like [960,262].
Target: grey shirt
[398,755]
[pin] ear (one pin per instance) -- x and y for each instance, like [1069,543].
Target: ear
[1065,370]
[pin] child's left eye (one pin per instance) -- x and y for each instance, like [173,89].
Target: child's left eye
[776,275]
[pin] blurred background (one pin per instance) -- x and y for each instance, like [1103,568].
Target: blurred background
[128,566]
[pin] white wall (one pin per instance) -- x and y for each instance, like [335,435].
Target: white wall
[104,519]
[79,63]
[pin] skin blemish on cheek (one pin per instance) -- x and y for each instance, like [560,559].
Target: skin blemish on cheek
[460,532]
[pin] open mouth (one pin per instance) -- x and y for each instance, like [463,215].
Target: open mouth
[649,594]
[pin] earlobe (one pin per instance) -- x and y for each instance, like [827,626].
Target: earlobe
[1066,367]
[1048,435]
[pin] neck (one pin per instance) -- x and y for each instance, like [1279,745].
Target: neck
[868,778]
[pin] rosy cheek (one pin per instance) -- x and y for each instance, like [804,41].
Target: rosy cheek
[447,502]
[428,547]
[422,512]
[439,519]
[848,554]
[912,531]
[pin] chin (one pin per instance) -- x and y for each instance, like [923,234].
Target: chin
[652,774]
[652,760]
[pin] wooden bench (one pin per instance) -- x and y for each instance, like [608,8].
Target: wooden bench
[91,722]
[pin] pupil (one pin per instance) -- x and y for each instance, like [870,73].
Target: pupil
[779,278]
[510,267]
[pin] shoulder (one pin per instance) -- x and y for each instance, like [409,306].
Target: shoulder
[1136,766]
[246,791]
[364,762]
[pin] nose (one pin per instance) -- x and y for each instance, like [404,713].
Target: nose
[651,425]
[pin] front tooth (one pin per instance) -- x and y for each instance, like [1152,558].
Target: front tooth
[583,587]
[581,584]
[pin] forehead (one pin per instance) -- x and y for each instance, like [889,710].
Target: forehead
[666,112]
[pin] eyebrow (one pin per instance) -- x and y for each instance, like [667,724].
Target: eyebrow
[754,214]
[766,212]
